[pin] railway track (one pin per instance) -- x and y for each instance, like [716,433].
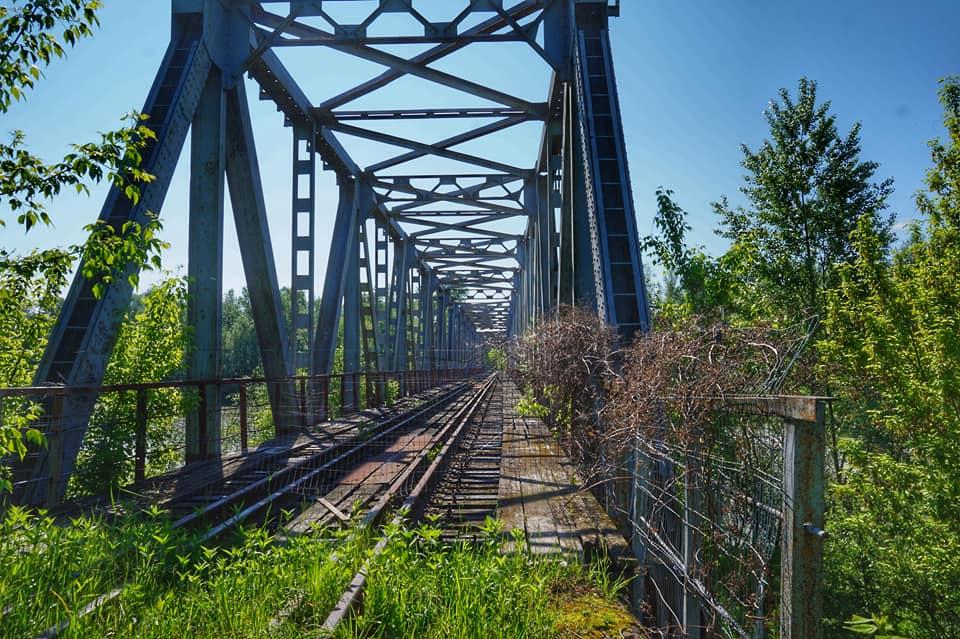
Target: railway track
[199,485]
[289,479]
[357,472]
[467,491]
[454,463]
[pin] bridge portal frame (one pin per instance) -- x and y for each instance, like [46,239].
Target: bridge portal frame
[392,298]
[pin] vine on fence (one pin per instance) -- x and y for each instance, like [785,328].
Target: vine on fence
[649,425]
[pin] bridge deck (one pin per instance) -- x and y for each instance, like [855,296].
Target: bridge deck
[541,494]
[507,465]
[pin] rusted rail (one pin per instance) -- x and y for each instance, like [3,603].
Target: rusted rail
[413,504]
[279,481]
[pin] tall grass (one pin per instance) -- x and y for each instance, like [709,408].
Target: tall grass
[48,571]
[238,591]
[422,588]
[171,585]
[174,587]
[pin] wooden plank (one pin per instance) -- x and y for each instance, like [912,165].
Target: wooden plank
[558,515]
[510,499]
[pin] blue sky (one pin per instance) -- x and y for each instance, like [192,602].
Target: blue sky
[694,80]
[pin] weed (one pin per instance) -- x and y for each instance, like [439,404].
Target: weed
[421,587]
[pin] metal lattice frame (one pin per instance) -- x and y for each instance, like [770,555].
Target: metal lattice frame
[420,269]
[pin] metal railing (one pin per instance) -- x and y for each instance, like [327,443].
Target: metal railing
[138,431]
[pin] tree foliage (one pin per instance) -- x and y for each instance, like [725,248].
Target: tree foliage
[697,284]
[29,299]
[33,33]
[893,346]
[152,347]
[28,41]
[807,189]
[813,240]
[241,354]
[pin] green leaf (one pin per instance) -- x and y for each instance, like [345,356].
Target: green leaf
[35,437]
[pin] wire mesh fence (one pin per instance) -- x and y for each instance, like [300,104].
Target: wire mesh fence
[710,470]
[718,522]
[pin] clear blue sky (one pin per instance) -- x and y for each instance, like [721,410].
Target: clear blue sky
[694,80]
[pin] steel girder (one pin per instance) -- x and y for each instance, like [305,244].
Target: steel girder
[422,265]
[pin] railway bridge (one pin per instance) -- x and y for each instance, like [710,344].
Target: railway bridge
[441,244]
[425,263]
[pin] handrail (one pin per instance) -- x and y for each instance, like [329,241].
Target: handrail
[59,390]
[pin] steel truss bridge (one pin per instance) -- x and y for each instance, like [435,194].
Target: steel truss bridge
[424,266]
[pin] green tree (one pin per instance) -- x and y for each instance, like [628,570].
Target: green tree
[807,189]
[28,41]
[241,354]
[892,346]
[29,300]
[33,33]
[696,283]
[241,351]
[151,347]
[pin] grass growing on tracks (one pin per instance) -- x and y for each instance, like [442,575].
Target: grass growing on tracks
[237,591]
[422,588]
[419,587]
[172,586]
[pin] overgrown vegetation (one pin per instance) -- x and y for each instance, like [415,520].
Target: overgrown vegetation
[151,347]
[171,585]
[421,587]
[51,570]
[252,586]
[891,348]
[33,34]
[812,243]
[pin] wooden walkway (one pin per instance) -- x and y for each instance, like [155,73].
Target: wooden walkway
[541,495]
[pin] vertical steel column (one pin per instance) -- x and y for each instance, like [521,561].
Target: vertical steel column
[521,290]
[567,287]
[427,315]
[440,330]
[545,252]
[380,291]
[303,245]
[514,313]
[337,277]
[205,262]
[455,325]
[621,294]
[582,228]
[403,254]
[352,319]
[415,313]
[256,251]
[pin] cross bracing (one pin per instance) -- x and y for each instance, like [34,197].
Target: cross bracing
[470,203]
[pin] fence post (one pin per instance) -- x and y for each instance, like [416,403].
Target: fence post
[203,447]
[303,403]
[801,603]
[691,545]
[243,419]
[55,452]
[140,468]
